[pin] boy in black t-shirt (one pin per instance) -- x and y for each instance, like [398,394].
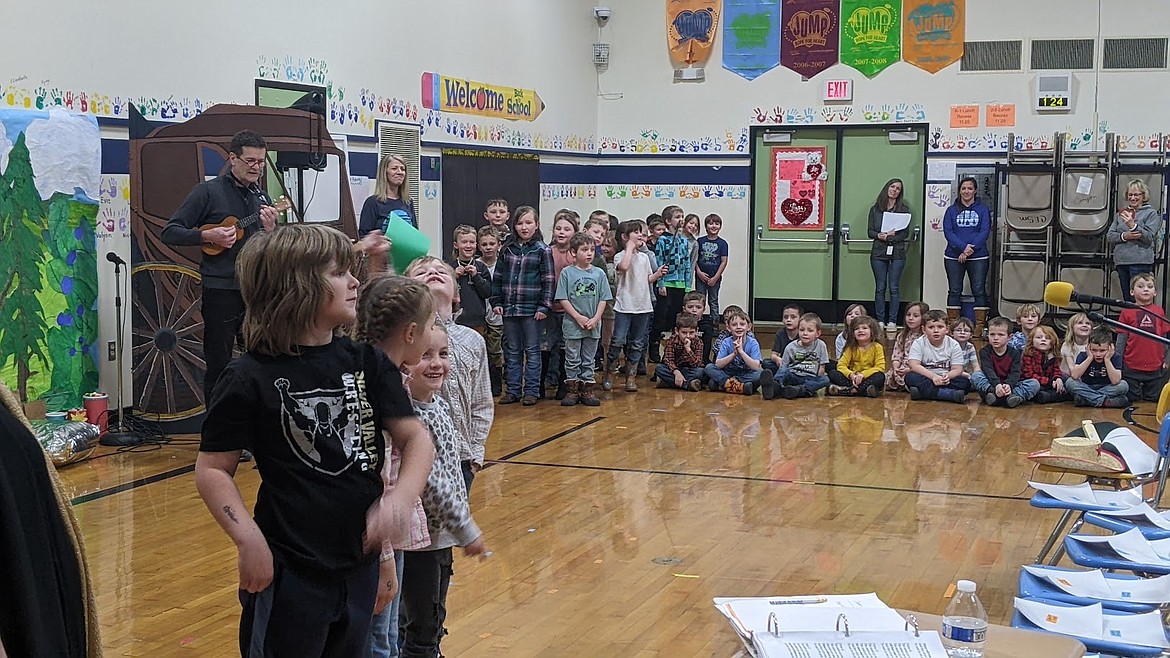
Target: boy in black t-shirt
[1095,379]
[310,406]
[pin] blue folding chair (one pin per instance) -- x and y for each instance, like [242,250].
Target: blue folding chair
[1118,526]
[1092,644]
[1035,587]
[1100,556]
[1114,482]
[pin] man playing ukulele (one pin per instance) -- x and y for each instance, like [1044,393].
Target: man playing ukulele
[235,193]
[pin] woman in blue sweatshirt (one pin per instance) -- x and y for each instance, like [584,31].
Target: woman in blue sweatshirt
[967,227]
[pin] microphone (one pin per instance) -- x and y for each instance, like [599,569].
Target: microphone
[1061,294]
[114,258]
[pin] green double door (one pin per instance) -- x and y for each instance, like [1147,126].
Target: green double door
[828,268]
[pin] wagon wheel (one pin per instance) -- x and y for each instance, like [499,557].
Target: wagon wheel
[167,340]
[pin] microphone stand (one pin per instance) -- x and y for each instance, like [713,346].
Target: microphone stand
[1104,319]
[120,435]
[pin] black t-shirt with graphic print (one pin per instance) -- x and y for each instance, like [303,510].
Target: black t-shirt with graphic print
[313,422]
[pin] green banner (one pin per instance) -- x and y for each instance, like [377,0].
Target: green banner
[871,34]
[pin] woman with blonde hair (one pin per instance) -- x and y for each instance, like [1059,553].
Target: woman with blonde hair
[391,198]
[1132,235]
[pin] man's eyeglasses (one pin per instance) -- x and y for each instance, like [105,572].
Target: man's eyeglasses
[253,163]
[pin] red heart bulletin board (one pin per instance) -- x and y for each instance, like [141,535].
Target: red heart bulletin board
[798,188]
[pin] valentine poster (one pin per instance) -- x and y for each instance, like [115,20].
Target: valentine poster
[810,35]
[798,188]
[871,34]
[933,34]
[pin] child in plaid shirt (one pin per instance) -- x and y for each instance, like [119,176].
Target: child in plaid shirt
[682,360]
[1042,362]
[522,292]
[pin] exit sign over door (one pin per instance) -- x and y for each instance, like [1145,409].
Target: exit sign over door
[838,90]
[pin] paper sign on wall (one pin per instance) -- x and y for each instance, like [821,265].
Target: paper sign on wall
[964,116]
[1001,115]
[447,94]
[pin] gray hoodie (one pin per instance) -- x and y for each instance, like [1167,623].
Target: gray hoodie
[1139,251]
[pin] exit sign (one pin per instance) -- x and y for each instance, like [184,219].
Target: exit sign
[838,90]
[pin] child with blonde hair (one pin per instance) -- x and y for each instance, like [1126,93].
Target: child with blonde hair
[312,407]
[396,314]
[1028,316]
[1076,341]
[900,352]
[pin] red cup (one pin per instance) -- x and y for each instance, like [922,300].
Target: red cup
[97,407]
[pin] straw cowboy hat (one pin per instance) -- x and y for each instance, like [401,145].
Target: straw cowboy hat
[1077,452]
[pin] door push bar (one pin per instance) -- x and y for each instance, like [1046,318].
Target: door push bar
[828,239]
[914,235]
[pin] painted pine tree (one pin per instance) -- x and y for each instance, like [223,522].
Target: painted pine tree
[22,253]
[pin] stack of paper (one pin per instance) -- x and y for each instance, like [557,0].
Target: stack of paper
[1091,622]
[1139,458]
[790,626]
[1131,545]
[1094,585]
[1142,515]
[1083,494]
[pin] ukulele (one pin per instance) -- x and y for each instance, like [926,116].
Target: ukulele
[212,249]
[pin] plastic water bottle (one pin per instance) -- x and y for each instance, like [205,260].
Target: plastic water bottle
[964,627]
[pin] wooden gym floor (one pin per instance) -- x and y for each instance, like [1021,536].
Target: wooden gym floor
[612,528]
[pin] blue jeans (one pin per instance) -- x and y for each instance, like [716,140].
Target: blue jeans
[887,271]
[928,389]
[808,384]
[383,642]
[712,293]
[1096,397]
[522,355]
[1025,388]
[630,331]
[721,376]
[1126,273]
[580,354]
[666,375]
[976,271]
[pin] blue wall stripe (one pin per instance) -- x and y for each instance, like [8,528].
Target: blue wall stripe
[116,160]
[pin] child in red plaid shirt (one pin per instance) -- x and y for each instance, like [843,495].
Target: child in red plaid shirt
[682,360]
[1041,361]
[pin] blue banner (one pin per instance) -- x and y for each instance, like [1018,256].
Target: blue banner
[751,37]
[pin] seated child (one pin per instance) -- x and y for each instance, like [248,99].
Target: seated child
[998,381]
[903,340]
[724,332]
[851,312]
[1042,364]
[1076,341]
[936,363]
[682,359]
[693,303]
[1028,317]
[737,360]
[961,331]
[791,319]
[861,370]
[1143,361]
[1095,380]
[802,368]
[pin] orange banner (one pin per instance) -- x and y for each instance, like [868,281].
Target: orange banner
[690,28]
[933,33]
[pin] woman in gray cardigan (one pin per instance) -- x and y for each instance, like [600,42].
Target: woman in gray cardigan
[887,257]
[1132,235]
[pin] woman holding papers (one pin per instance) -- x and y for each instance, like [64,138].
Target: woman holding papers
[889,228]
[967,227]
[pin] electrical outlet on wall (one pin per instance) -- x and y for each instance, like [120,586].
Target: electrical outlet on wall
[111,351]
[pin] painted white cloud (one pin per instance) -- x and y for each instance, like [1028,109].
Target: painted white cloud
[66,152]
[5,147]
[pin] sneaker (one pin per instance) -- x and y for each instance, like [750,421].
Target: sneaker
[713,386]
[661,383]
[509,399]
[958,397]
[749,388]
[836,390]
[1082,401]
[872,391]
[990,398]
[1014,401]
[789,392]
[695,385]
[915,394]
[245,456]
[733,386]
[528,400]
[1120,402]
[767,384]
